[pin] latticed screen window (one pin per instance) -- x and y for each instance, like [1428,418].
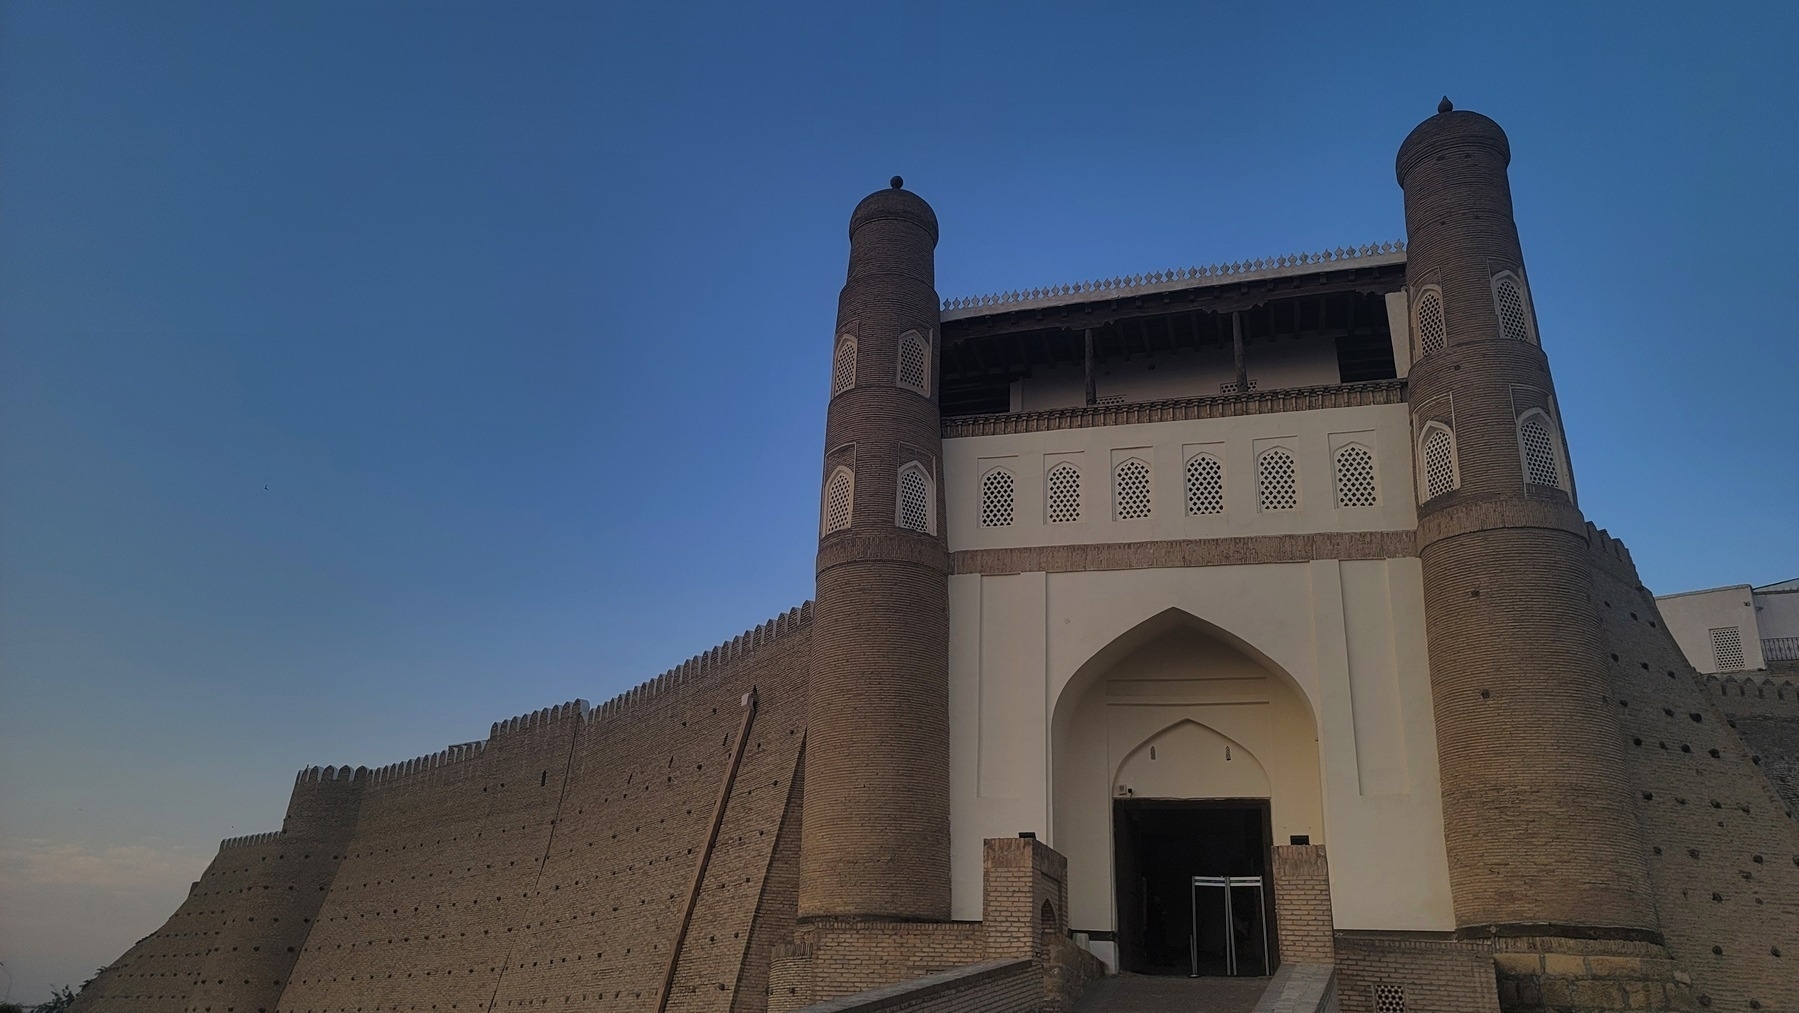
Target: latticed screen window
[1064,494]
[1727,649]
[1439,463]
[837,500]
[1133,490]
[912,362]
[996,499]
[1389,999]
[1277,480]
[1512,321]
[1431,331]
[1539,452]
[1355,477]
[1205,485]
[843,369]
[914,499]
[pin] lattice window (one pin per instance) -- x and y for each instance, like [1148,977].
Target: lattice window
[838,496]
[1540,465]
[1231,387]
[1508,297]
[1439,462]
[1277,480]
[1727,649]
[997,499]
[1389,999]
[1064,494]
[1355,477]
[914,359]
[1433,334]
[1132,482]
[1205,485]
[914,499]
[843,368]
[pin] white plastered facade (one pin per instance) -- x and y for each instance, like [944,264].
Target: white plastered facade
[1316,670]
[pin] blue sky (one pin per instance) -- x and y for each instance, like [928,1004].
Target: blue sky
[370,372]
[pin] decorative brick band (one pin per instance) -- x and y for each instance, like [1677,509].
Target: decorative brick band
[1255,402]
[1187,552]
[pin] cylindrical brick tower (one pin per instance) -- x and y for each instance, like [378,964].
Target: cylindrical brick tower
[1537,809]
[875,836]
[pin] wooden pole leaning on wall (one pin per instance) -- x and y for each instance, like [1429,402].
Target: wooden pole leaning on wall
[699,869]
[1237,352]
[1092,386]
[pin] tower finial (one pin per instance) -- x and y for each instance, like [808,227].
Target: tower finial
[896,182]
[1445,105]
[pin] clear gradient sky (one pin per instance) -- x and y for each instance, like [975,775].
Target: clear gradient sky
[374,371]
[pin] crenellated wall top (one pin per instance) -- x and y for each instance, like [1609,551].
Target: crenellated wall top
[268,837]
[1175,279]
[708,662]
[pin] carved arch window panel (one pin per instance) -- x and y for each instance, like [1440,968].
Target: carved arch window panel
[1437,461]
[1131,490]
[1430,324]
[843,365]
[914,371]
[1356,485]
[1205,485]
[1064,499]
[998,499]
[915,509]
[1540,448]
[839,499]
[1513,307]
[1277,480]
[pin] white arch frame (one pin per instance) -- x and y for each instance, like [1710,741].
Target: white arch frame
[848,476]
[1429,292]
[1557,451]
[843,379]
[1524,306]
[899,362]
[1455,465]
[930,498]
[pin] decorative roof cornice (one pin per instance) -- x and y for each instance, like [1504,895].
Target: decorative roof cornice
[1177,278]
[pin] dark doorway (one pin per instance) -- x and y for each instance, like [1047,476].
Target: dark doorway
[1158,848]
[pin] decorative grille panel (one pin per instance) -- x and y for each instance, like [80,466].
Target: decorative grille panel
[1231,387]
[1064,494]
[1439,463]
[843,370]
[914,500]
[996,499]
[1539,453]
[1512,321]
[1727,649]
[1205,485]
[1277,481]
[1389,999]
[912,359]
[1133,490]
[837,501]
[1432,334]
[1355,477]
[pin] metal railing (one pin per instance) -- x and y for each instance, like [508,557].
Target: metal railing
[1780,649]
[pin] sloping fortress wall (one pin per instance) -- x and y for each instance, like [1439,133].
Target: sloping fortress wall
[549,865]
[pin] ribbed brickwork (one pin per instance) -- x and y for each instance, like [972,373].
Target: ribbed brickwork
[1304,929]
[1538,820]
[876,825]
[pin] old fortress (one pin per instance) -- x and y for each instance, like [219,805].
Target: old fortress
[1226,621]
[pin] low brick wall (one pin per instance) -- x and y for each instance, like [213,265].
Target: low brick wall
[991,986]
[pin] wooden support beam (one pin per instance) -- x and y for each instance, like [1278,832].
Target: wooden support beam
[1237,352]
[1092,389]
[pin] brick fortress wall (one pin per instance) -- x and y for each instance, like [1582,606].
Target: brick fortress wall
[547,866]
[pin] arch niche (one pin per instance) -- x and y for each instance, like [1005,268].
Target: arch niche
[1176,713]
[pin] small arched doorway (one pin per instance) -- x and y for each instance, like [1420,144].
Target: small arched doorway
[1181,752]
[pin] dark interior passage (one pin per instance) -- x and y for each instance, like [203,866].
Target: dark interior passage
[1158,847]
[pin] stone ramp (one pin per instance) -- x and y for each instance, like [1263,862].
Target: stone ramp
[1145,993]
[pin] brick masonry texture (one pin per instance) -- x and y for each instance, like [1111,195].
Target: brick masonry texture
[990,986]
[1302,904]
[1438,975]
[540,868]
[1188,552]
[1721,844]
[1765,713]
